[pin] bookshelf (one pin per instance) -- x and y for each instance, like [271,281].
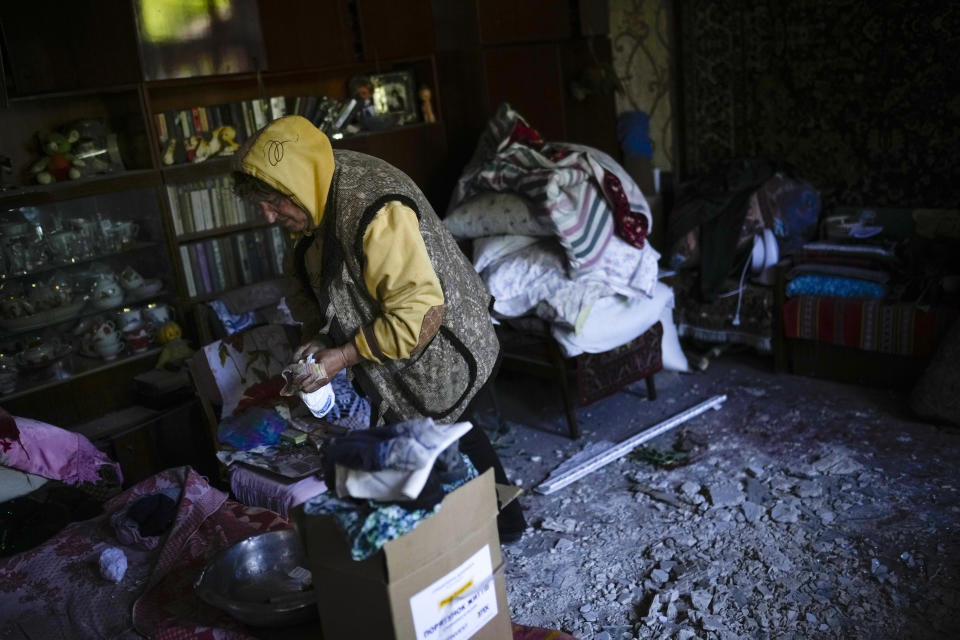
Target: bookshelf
[195,237]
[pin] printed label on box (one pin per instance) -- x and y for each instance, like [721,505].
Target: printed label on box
[457,605]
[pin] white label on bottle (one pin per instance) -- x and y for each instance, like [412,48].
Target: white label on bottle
[457,605]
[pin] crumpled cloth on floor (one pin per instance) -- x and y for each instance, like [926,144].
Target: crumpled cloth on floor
[141,523]
[368,525]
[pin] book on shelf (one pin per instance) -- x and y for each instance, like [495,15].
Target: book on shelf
[179,132]
[232,260]
[243,259]
[188,276]
[207,205]
[206,280]
[229,262]
[219,271]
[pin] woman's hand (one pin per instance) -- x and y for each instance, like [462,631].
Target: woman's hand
[332,360]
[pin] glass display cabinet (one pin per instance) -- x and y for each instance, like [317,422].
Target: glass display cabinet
[84,283]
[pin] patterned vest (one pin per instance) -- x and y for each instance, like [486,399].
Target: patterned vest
[440,380]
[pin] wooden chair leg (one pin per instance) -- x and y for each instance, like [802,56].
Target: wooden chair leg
[569,402]
[651,388]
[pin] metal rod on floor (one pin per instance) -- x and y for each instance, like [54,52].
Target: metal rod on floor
[617,451]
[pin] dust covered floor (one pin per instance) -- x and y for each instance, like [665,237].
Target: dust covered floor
[811,509]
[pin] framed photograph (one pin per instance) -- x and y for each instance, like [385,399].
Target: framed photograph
[394,96]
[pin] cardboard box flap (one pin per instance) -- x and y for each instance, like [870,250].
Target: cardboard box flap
[465,510]
[507,493]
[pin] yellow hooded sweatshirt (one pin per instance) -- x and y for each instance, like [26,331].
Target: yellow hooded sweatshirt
[296,159]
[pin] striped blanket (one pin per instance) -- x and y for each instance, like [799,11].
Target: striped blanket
[583,194]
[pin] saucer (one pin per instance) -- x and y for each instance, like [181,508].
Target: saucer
[147,289]
[107,303]
[55,357]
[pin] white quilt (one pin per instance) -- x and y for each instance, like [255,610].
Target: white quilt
[527,274]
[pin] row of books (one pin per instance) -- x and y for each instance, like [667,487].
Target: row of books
[176,128]
[218,264]
[207,204]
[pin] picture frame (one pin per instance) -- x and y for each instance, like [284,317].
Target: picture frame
[395,97]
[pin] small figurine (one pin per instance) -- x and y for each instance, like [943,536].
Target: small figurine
[57,163]
[361,89]
[425,105]
[222,142]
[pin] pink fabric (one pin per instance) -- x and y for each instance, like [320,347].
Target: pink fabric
[56,591]
[54,453]
[262,490]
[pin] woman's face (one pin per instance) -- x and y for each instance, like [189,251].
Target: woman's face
[286,213]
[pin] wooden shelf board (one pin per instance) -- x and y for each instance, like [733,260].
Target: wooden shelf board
[81,366]
[222,231]
[84,187]
[54,266]
[196,171]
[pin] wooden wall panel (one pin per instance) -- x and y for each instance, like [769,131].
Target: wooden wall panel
[505,21]
[593,120]
[302,34]
[393,29]
[529,78]
[70,45]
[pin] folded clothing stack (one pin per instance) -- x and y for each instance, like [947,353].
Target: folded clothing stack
[404,463]
[842,270]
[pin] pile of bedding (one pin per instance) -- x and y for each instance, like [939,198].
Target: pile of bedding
[559,232]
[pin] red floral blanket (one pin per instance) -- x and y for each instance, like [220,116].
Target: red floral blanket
[56,590]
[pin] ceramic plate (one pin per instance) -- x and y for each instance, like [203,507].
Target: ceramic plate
[107,303]
[35,366]
[42,319]
[149,288]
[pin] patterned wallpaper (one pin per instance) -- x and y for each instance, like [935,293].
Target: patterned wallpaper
[640,34]
[860,96]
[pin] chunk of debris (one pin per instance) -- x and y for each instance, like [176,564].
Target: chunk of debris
[751,511]
[837,464]
[784,512]
[561,525]
[724,494]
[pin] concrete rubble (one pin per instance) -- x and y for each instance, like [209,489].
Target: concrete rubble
[818,511]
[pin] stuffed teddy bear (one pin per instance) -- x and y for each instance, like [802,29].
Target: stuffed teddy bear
[58,163]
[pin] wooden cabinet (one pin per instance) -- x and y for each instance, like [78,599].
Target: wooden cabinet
[82,64]
[508,21]
[529,54]
[69,45]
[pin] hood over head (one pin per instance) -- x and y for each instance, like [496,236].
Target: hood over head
[295,158]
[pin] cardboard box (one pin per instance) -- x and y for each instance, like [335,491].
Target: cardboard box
[442,581]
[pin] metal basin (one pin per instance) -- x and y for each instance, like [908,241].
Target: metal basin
[251,581]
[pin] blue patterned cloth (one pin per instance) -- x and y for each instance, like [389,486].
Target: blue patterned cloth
[835,287]
[350,409]
[368,525]
[232,322]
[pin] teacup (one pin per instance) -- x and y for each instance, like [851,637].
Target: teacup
[137,340]
[130,279]
[8,381]
[84,226]
[39,353]
[127,231]
[129,319]
[108,350]
[106,330]
[15,228]
[157,314]
[8,373]
[63,244]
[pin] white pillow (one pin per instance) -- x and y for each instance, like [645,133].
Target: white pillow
[495,214]
[488,250]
